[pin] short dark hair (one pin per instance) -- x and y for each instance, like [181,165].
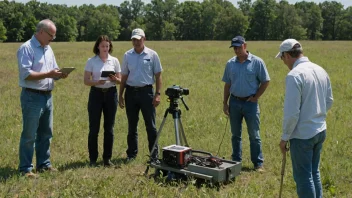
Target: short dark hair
[98,41]
[295,51]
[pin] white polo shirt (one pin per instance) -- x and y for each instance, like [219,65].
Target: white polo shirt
[95,65]
[141,68]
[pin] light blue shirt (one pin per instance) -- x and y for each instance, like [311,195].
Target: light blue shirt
[141,68]
[245,78]
[33,57]
[307,100]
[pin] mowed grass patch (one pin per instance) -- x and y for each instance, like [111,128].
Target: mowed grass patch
[198,66]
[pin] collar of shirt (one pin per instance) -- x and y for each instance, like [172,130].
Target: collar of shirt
[145,50]
[36,43]
[249,57]
[108,59]
[300,60]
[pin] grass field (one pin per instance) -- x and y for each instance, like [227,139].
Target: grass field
[198,66]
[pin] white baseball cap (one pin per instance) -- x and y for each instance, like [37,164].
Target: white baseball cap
[287,45]
[137,33]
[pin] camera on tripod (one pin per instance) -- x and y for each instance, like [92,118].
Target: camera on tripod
[176,91]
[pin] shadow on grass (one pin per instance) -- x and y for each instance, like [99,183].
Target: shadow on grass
[119,161]
[73,165]
[247,169]
[81,164]
[6,173]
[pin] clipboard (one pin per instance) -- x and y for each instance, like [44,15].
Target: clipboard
[67,70]
[106,74]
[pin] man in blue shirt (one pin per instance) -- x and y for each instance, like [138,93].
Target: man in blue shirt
[37,71]
[141,67]
[308,97]
[246,79]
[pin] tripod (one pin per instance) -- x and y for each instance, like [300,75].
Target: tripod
[179,132]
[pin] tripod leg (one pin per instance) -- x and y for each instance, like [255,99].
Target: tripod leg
[177,133]
[156,142]
[183,133]
[158,135]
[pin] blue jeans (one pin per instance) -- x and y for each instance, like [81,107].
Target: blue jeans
[250,112]
[37,119]
[136,101]
[101,102]
[305,156]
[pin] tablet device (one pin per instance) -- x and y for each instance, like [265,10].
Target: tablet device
[67,70]
[107,73]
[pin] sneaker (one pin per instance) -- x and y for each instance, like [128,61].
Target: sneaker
[108,163]
[30,175]
[47,169]
[259,169]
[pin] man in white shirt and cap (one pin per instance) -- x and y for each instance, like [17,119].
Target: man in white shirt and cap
[308,98]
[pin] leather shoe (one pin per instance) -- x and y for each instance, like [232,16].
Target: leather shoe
[259,169]
[30,175]
[47,169]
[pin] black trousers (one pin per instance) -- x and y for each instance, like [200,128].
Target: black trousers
[101,101]
[140,99]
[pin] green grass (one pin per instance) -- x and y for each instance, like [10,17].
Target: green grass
[198,66]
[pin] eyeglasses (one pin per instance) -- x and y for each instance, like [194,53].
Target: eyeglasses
[52,36]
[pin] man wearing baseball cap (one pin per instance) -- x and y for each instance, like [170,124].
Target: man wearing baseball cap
[308,97]
[246,78]
[141,68]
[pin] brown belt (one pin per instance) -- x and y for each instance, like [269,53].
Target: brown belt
[241,98]
[38,91]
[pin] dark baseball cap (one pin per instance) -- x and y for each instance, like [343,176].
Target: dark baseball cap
[237,41]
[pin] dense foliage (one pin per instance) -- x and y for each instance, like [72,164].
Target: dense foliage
[189,20]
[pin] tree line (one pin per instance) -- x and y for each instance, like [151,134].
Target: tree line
[189,20]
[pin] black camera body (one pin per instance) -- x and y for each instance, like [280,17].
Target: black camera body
[176,91]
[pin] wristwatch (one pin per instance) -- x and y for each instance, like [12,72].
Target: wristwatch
[157,93]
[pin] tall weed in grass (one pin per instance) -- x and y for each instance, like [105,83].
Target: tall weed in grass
[198,66]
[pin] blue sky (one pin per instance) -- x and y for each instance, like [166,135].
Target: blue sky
[346,3]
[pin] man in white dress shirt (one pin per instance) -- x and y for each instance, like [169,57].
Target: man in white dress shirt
[37,71]
[308,97]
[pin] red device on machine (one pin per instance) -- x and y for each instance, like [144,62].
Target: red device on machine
[175,155]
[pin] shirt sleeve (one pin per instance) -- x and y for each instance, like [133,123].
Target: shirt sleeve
[25,61]
[117,66]
[55,66]
[263,72]
[329,96]
[226,77]
[88,66]
[124,68]
[157,65]
[291,106]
